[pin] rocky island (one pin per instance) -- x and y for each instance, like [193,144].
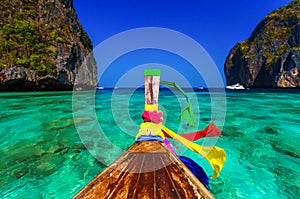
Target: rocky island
[43,47]
[270,57]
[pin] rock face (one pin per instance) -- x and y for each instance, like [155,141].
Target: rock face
[271,56]
[43,47]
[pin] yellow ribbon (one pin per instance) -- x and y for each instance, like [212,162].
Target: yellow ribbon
[150,129]
[214,155]
[151,107]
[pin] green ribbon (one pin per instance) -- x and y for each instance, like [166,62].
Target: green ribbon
[187,112]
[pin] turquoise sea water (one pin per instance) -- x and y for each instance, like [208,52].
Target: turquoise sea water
[43,155]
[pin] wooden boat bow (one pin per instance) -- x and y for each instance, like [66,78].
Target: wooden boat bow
[148,169]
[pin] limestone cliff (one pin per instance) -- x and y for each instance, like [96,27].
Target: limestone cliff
[271,56]
[43,47]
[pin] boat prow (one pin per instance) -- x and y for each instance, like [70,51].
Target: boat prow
[148,169]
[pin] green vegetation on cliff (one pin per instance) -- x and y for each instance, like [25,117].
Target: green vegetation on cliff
[20,45]
[270,57]
[32,34]
[275,28]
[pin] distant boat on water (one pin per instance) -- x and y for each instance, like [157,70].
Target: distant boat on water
[100,88]
[235,86]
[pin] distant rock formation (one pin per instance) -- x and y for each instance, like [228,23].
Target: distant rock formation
[271,56]
[43,47]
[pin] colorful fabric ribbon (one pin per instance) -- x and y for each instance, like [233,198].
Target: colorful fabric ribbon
[196,169]
[210,131]
[153,126]
[187,112]
[214,155]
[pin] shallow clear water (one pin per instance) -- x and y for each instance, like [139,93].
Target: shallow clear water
[43,155]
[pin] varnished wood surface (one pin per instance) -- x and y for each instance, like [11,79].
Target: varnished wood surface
[147,169]
[151,89]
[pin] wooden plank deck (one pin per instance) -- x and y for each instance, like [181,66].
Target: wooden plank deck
[148,169]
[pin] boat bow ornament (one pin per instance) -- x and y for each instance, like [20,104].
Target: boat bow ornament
[150,168]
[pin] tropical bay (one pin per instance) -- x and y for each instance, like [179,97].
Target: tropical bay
[44,157]
[140,99]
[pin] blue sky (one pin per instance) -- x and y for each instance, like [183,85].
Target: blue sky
[216,25]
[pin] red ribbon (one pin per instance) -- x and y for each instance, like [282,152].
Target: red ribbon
[210,131]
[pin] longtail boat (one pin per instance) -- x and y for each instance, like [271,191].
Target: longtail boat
[150,168]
